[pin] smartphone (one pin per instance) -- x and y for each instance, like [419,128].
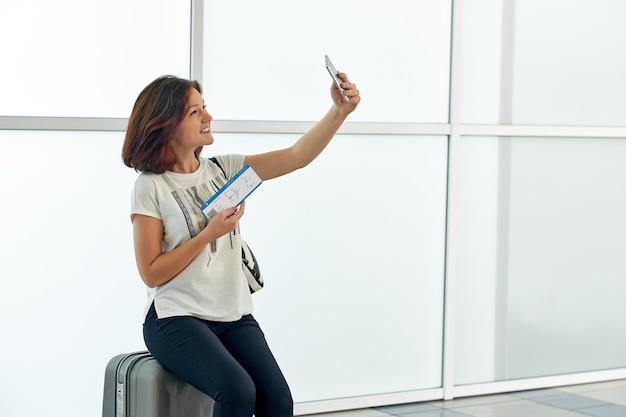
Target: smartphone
[333,73]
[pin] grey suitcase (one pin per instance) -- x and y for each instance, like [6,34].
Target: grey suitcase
[135,385]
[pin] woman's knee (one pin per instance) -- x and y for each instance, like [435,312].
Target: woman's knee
[278,404]
[283,406]
[238,397]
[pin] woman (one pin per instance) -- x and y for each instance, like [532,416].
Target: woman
[199,321]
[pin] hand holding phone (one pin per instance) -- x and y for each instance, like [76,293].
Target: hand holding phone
[333,73]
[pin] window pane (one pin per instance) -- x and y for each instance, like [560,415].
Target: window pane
[72,294]
[78,58]
[351,252]
[265,60]
[554,62]
[541,266]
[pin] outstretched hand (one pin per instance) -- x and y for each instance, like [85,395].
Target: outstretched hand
[349,90]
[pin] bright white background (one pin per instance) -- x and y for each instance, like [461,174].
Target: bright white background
[396,51]
[89,58]
[339,263]
[540,262]
[346,264]
[71,296]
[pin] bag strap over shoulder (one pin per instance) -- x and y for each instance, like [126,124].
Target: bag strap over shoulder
[248,261]
[214,160]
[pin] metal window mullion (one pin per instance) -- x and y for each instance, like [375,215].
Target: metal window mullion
[452,206]
[196,56]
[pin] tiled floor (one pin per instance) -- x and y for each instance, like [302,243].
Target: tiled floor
[605,399]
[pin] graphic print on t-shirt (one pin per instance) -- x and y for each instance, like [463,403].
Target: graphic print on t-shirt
[195,197]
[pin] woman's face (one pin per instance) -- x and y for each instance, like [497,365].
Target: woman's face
[195,128]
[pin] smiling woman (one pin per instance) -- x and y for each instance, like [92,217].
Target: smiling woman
[198,317]
[170,104]
[194,132]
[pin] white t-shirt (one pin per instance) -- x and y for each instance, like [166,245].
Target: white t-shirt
[212,286]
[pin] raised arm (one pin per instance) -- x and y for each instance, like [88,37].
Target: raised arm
[280,162]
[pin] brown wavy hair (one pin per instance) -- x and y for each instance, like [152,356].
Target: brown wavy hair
[158,110]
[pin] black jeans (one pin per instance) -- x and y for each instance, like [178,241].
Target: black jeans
[230,362]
